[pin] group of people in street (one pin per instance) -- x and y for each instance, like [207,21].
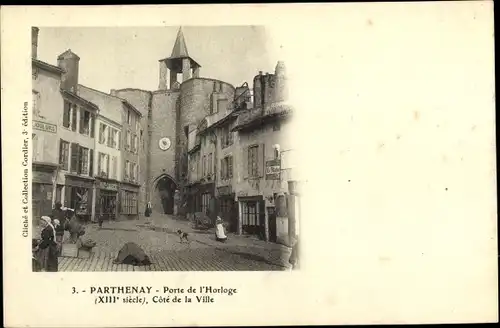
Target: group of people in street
[48,248]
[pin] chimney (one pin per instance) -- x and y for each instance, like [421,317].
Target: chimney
[70,63]
[34,42]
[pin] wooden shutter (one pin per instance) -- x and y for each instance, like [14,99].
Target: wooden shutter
[107,166]
[119,139]
[101,127]
[99,156]
[66,113]
[74,109]
[261,160]
[74,157]
[82,120]
[79,159]
[92,125]
[91,162]
[245,162]
[61,154]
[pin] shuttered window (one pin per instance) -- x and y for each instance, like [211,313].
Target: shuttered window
[66,114]
[74,110]
[91,162]
[74,166]
[64,154]
[253,161]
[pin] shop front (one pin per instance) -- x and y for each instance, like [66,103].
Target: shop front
[252,216]
[78,195]
[228,208]
[107,199]
[129,196]
[43,176]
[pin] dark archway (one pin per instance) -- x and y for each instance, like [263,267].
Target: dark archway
[165,190]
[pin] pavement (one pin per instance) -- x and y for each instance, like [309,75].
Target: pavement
[158,238]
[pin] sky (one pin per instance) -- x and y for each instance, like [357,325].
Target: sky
[127,57]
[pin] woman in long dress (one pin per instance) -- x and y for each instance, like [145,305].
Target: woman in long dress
[47,248]
[219,230]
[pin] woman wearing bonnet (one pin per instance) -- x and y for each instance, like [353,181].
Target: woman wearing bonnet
[47,248]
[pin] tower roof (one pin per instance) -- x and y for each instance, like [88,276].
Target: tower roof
[179,52]
[180,48]
[68,54]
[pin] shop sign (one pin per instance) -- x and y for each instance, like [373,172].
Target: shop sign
[223,191]
[273,169]
[108,186]
[42,126]
[42,177]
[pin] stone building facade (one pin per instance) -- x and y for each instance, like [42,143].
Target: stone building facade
[194,145]
[46,95]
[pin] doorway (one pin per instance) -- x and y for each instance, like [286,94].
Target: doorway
[165,189]
[272,224]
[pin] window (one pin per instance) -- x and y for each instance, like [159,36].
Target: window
[129,202]
[103,165]
[222,105]
[132,171]
[64,154]
[67,114]
[114,144]
[110,137]
[75,149]
[84,160]
[127,170]
[227,168]
[128,141]
[114,167]
[204,171]
[277,126]
[102,133]
[250,215]
[134,143]
[253,164]
[85,119]
[36,103]
[137,125]
[129,117]
[209,165]
[227,137]
[205,203]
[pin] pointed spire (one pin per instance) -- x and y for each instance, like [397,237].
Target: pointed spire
[180,48]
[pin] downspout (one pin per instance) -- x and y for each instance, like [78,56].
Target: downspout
[148,156]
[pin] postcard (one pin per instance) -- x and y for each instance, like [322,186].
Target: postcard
[283,164]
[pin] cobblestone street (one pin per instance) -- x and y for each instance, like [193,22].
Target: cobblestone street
[157,236]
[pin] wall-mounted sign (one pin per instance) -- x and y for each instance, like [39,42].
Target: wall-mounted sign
[225,190]
[164,143]
[108,186]
[273,169]
[42,126]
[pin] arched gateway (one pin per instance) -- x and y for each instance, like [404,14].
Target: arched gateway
[162,199]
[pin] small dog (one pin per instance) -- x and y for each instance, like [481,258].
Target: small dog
[183,235]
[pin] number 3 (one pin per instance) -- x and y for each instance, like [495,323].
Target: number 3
[74,290]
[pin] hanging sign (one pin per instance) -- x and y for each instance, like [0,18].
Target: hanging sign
[273,169]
